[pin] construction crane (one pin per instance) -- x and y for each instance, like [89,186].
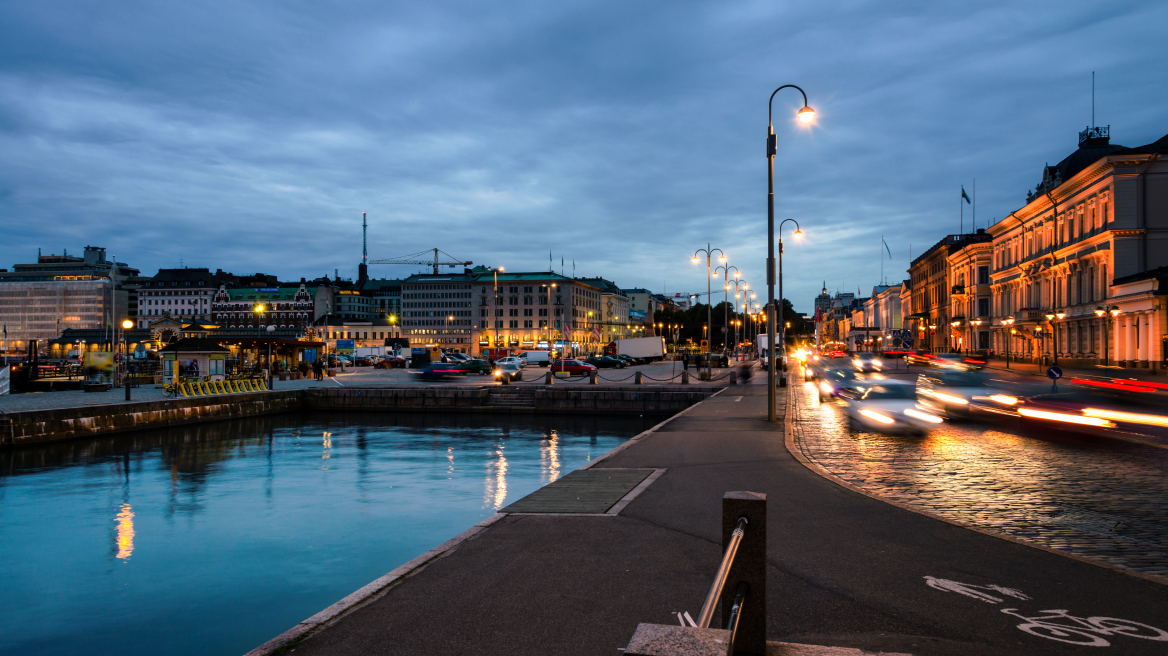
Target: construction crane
[412,258]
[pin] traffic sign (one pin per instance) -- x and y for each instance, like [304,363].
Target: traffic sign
[1054,373]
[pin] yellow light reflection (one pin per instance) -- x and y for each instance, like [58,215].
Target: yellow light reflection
[1151,420]
[327,444]
[125,531]
[550,458]
[495,491]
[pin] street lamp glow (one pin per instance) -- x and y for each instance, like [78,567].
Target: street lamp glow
[798,233]
[695,259]
[806,115]
[127,324]
[722,258]
[259,308]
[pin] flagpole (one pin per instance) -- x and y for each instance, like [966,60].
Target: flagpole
[881,259]
[974,228]
[960,201]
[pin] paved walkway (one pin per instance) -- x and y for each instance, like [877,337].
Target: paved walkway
[843,569]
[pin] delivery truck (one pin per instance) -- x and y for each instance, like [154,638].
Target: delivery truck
[650,348]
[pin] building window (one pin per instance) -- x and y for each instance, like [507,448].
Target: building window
[514,324]
[527,324]
[527,313]
[513,313]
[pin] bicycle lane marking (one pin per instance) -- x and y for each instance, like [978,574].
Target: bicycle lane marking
[1056,624]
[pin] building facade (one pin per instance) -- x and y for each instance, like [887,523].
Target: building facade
[285,307]
[1097,217]
[970,292]
[40,300]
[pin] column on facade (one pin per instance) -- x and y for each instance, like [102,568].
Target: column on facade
[1129,337]
[1143,332]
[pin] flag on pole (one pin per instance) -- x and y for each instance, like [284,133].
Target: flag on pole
[964,195]
[886,247]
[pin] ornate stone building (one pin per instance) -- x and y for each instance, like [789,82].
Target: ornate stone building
[1099,215]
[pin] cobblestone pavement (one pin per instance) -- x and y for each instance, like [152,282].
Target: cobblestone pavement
[1096,498]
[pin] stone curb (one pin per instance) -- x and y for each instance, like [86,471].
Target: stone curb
[368,593]
[793,449]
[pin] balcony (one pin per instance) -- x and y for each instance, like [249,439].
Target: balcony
[958,290]
[1029,315]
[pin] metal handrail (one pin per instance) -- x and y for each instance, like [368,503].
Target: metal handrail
[736,611]
[720,578]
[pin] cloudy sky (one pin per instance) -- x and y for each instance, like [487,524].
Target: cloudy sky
[250,136]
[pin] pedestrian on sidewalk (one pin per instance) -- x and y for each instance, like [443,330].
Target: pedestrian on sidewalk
[317,370]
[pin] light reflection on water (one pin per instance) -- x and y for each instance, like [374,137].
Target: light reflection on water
[213,539]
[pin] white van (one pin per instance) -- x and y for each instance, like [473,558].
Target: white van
[535,358]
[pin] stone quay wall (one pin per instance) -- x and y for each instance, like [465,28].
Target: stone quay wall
[62,424]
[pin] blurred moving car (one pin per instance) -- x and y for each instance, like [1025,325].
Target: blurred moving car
[438,371]
[512,360]
[867,362]
[509,371]
[919,357]
[954,392]
[834,382]
[952,360]
[888,406]
[573,367]
[455,357]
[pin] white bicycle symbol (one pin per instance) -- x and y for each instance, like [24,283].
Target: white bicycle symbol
[979,592]
[1085,631]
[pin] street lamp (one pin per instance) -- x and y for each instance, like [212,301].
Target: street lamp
[709,295]
[259,310]
[126,325]
[806,115]
[1100,312]
[726,300]
[1010,324]
[1051,318]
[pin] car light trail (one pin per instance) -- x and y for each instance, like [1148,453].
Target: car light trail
[876,416]
[1070,419]
[923,416]
[1003,399]
[1133,387]
[1151,420]
[949,398]
[825,387]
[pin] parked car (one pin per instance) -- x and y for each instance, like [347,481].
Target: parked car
[453,357]
[438,371]
[363,361]
[605,362]
[540,358]
[480,367]
[512,360]
[628,360]
[573,367]
[392,362]
[509,371]
[888,406]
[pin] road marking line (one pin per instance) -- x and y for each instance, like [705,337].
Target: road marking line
[738,399]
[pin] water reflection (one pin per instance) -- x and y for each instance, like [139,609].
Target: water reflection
[125,521]
[252,525]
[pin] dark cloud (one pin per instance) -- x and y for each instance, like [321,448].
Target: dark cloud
[251,136]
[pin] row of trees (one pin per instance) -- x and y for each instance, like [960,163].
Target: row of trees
[692,323]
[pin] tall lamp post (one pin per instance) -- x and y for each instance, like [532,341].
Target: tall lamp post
[710,275]
[806,115]
[259,310]
[725,269]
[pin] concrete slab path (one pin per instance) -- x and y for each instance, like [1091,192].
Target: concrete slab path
[844,569]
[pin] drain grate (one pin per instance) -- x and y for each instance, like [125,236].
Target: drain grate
[585,491]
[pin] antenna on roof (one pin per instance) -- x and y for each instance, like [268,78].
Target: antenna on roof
[1092,97]
[364,243]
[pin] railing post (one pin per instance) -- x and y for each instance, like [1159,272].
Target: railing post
[592,378]
[685,378]
[549,380]
[733,378]
[638,381]
[749,567]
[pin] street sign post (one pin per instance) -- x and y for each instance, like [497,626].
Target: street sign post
[1054,373]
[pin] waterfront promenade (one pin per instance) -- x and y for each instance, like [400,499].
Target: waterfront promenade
[844,569]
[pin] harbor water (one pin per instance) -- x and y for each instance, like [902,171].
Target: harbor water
[215,538]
